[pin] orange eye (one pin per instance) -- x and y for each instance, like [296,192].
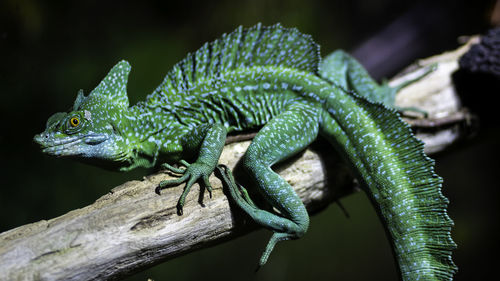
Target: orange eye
[74,122]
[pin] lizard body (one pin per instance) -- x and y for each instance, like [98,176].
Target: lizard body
[270,79]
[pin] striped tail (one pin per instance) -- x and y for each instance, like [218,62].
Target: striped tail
[400,181]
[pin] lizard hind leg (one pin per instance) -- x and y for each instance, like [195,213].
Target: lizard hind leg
[283,136]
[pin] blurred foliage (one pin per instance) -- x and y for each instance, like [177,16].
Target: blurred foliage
[51,49]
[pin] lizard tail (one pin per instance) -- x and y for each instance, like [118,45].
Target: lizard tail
[399,179]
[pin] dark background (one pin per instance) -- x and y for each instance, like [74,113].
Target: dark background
[48,51]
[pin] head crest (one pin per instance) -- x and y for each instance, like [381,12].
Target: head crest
[113,87]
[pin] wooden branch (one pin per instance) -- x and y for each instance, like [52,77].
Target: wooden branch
[132,227]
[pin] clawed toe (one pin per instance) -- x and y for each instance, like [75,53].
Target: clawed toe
[191,174]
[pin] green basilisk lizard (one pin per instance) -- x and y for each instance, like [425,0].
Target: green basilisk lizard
[271,79]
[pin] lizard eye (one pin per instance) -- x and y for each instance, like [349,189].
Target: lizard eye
[74,122]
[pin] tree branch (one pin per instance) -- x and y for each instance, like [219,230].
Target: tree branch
[132,228]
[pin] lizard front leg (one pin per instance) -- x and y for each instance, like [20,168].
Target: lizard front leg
[206,141]
[285,135]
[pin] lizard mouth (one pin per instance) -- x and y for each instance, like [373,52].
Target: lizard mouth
[68,146]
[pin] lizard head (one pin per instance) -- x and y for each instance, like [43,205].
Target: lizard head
[91,131]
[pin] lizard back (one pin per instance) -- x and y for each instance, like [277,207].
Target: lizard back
[409,201]
[242,48]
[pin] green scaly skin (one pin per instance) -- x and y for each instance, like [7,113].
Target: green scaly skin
[268,78]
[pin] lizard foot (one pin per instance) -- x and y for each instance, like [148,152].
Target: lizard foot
[237,191]
[192,173]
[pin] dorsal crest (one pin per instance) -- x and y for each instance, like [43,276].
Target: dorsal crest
[243,48]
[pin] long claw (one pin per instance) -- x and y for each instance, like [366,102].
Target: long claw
[208,186]
[179,210]
[182,199]
[158,190]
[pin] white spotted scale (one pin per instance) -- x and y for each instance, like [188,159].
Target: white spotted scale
[272,79]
